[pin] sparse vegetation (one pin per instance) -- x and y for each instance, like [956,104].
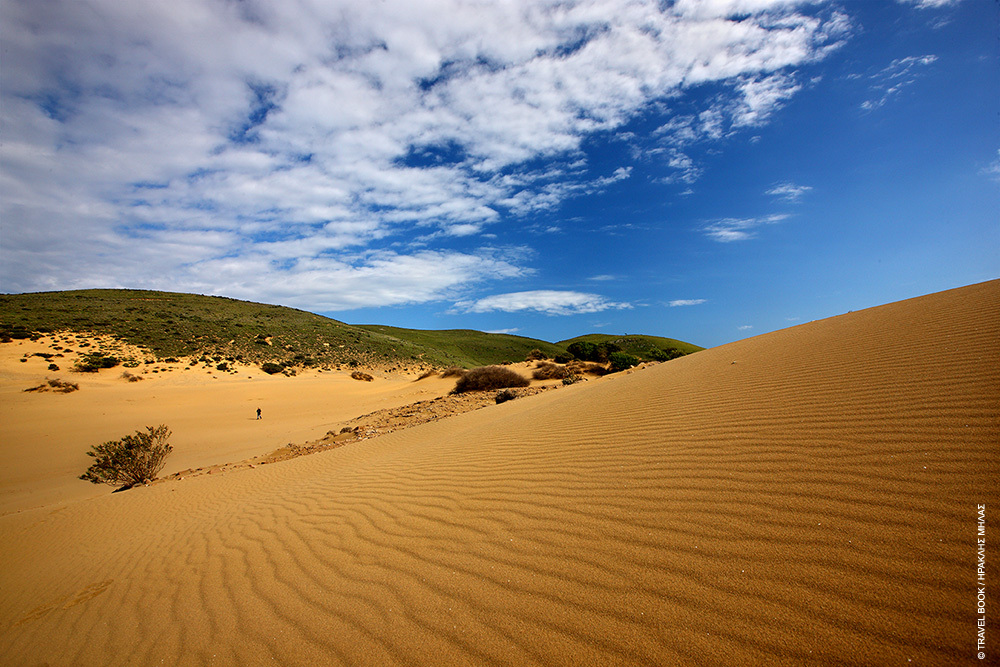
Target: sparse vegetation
[487,378]
[132,460]
[56,385]
[536,355]
[453,372]
[547,371]
[364,377]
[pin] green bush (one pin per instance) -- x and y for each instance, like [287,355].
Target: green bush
[489,377]
[132,460]
[94,362]
[621,361]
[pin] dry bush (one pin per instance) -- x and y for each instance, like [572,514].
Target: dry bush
[427,374]
[131,378]
[358,375]
[132,460]
[536,355]
[453,372]
[57,386]
[571,379]
[546,371]
[505,395]
[489,377]
[583,367]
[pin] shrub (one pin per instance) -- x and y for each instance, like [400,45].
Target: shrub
[563,358]
[427,374]
[453,372]
[550,372]
[505,395]
[92,363]
[621,361]
[489,377]
[222,367]
[131,460]
[666,354]
[271,368]
[580,367]
[536,355]
[571,379]
[53,367]
[358,375]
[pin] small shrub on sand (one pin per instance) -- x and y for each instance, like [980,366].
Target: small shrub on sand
[486,378]
[571,379]
[92,363]
[364,377]
[505,395]
[536,355]
[131,460]
[427,374]
[271,368]
[583,367]
[56,385]
[131,378]
[453,372]
[547,371]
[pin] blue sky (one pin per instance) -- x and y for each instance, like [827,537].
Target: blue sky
[701,170]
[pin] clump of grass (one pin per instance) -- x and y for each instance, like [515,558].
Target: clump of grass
[427,374]
[571,379]
[131,378]
[547,371]
[486,378]
[364,377]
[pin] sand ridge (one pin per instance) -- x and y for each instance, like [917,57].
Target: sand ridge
[803,497]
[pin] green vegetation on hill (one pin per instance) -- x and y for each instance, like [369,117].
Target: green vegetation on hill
[646,348]
[219,329]
[173,325]
[464,347]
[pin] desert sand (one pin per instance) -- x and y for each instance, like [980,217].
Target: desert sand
[805,497]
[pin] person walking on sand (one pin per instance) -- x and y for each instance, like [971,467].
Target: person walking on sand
[258,413]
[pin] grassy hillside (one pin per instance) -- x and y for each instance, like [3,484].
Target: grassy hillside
[644,347]
[182,325]
[175,325]
[464,347]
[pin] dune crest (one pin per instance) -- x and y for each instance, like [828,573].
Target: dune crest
[804,497]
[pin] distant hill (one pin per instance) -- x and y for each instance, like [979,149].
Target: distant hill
[465,347]
[644,347]
[171,324]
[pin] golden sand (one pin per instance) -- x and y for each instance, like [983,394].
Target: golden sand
[804,497]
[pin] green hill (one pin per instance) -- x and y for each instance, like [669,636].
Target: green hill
[465,347]
[171,324]
[174,325]
[644,347]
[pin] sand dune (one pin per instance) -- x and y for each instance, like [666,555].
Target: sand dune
[804,497]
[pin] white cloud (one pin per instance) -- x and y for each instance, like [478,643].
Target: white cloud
[744,327]
[296,137]
[686,302]
[992,170]
[929,4]
[550,302]
[897,75]
[788,191]
[739,229]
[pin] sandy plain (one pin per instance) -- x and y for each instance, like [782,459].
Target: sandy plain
[805,497]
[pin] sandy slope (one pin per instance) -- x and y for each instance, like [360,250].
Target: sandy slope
[804,497]
[44,437]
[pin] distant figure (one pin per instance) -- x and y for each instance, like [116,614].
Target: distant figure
[258,413]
